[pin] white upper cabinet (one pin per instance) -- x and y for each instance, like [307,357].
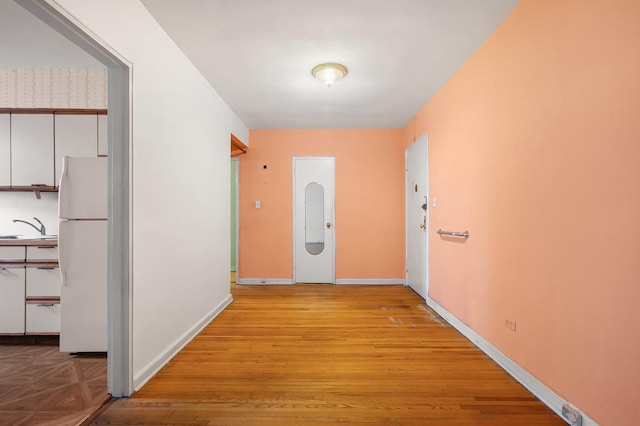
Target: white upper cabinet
[5,150]
[102,135]
[32,149]
[75,136]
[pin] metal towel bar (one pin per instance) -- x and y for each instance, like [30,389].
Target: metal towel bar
[464,234]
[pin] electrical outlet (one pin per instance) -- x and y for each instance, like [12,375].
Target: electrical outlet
[510,324]
[572,415]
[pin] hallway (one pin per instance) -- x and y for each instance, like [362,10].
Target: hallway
[325,354]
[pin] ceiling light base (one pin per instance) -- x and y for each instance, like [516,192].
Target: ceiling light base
[329,73]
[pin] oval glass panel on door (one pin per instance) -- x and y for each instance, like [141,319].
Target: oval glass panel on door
[314,218]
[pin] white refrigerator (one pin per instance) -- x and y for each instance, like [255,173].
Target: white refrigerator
[82,248]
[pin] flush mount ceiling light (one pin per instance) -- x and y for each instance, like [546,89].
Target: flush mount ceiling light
[329,73]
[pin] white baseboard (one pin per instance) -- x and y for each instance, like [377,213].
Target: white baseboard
[371,281]
[265,281]
[535,386]
[289,281]
[144,375]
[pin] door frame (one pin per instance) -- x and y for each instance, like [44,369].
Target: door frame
[119,104]
[422,139]
[333,212]
[237,178]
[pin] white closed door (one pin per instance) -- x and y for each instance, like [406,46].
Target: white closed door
[417,211]
[313,213]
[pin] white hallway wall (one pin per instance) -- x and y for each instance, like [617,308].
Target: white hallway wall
[180,181]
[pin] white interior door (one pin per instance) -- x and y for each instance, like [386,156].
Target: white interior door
[417,211]
[313,213]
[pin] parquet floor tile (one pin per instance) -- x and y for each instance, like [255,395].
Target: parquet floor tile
[41,386]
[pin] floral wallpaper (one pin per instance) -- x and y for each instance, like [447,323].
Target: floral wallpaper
[53,88]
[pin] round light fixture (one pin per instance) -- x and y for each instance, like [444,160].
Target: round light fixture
[329,73]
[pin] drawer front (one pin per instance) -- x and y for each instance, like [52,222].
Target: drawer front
[42,253]
[12,253]
[43,317]
[43,281]
[12,300]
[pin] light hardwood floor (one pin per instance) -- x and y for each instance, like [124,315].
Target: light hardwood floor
[324,354]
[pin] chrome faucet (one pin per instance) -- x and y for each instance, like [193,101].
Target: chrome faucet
[42,230]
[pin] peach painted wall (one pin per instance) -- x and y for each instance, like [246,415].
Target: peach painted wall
[533,148]
[369,201]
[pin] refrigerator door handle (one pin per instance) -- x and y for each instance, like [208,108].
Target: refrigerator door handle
[62,193]
[65,167]
[61,265]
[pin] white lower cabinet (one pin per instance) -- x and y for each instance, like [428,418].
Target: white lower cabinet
[42,297]
[12,306]
[30,286]
[43,281]
[43,317]
[42,253]
[12,254]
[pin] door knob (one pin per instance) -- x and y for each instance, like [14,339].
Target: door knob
[422,226]
[328,225]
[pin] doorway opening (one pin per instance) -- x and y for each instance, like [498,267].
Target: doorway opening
[119,356]
[235,196]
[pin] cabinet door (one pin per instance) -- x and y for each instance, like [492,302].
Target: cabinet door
[103,142]
[32,149]
[43,281]
[75,136]
[12,253]
[12,307]
[42,253]
[43,317]
[5,150]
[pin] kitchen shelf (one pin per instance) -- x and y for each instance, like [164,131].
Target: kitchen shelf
[35,189]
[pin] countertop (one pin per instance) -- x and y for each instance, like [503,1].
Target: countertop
[35,242]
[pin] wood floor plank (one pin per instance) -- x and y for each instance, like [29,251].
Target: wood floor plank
[323,355]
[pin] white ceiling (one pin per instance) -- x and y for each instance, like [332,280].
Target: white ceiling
[25,41]
[258,54]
